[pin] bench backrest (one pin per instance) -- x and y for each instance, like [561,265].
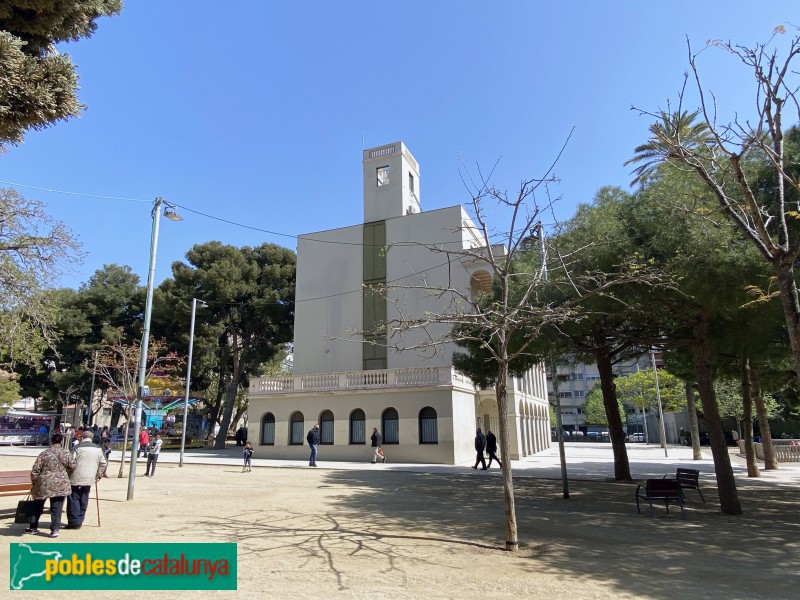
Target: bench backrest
[689,477]
[15,483]
[663,488]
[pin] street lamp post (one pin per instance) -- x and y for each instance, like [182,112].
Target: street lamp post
[172,216]
[188,379]
[660,407]
[91,389]
[554,368]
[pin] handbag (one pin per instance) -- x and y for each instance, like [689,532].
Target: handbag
[25,510]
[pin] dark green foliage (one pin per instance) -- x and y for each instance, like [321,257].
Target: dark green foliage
[38,86]
[250,296]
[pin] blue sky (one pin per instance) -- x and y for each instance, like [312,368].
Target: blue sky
[255,111]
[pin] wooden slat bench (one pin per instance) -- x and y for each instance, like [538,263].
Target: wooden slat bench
[689,479]
[15,483]
[667,491]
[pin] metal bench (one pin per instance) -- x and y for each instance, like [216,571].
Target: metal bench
[15,483]
[689,479]
[667,491]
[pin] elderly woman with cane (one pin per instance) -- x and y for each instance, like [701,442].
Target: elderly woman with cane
[50,478]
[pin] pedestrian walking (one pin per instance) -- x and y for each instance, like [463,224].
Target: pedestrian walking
[377,451]
[241,436]
[50,478]
[152,456]
[313,441]
[247,453]
[90,465]
[107,454]
[491,449]
[480,445]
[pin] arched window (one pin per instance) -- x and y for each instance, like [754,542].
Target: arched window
[268,430]
[358,427]
[428,430]
[390,423]
[326,427]
[296,428]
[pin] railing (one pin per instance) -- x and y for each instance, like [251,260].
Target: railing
[378,152]
[785,450]
[361,380]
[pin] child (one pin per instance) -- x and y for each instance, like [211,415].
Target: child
[247,453]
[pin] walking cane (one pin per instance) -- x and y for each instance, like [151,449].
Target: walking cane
[97,497]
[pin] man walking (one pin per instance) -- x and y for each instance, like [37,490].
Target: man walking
[152,456]
[480,445]
[377,453]
[491,448]
[90,466]
[313,442]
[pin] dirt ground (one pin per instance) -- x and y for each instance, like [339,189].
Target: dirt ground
[378,533]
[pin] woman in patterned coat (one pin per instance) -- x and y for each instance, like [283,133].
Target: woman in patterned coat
[50,478]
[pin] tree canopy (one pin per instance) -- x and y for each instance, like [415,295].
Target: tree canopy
[38,85]
[34,250]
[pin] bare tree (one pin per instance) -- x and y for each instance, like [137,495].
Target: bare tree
[117,366]
[504,322]
[744,161]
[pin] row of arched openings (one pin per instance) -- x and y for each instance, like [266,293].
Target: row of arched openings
[390,427]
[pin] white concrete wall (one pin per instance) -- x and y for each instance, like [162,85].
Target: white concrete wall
[395,198]
[455,416]
[325,315]
[412,267]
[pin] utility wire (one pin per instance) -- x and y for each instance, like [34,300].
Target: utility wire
[228,221]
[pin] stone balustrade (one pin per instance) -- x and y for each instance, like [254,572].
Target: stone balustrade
[360,380]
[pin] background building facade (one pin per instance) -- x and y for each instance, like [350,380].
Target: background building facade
[351,373]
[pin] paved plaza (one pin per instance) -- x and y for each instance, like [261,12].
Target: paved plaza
[349,530]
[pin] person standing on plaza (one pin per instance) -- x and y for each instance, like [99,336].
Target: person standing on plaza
[152,456]
[377,451]
[41,438]
[241,436]
[247,453]
[480,445]
[77,438]
[90,466]
[313,441]
[144,443]
[50,478]
[106,447]
[491,448]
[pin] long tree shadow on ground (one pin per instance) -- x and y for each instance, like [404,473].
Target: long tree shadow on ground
[596,535]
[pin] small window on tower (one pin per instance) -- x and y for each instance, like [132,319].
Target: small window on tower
[383,176]
[411,183]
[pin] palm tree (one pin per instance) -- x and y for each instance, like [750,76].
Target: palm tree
[676,135]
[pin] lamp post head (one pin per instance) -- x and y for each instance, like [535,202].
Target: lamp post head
[170,214]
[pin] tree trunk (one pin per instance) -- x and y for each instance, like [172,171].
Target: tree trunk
[512,542]
[237,416]
[224,425]
[783,267]
[770,462]
[124,444]
[622,468]
[694,427]
[701,359]
[747,409]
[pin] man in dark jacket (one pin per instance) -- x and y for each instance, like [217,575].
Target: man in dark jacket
[313,441]
[491,448]
[480,444]
[377,452]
